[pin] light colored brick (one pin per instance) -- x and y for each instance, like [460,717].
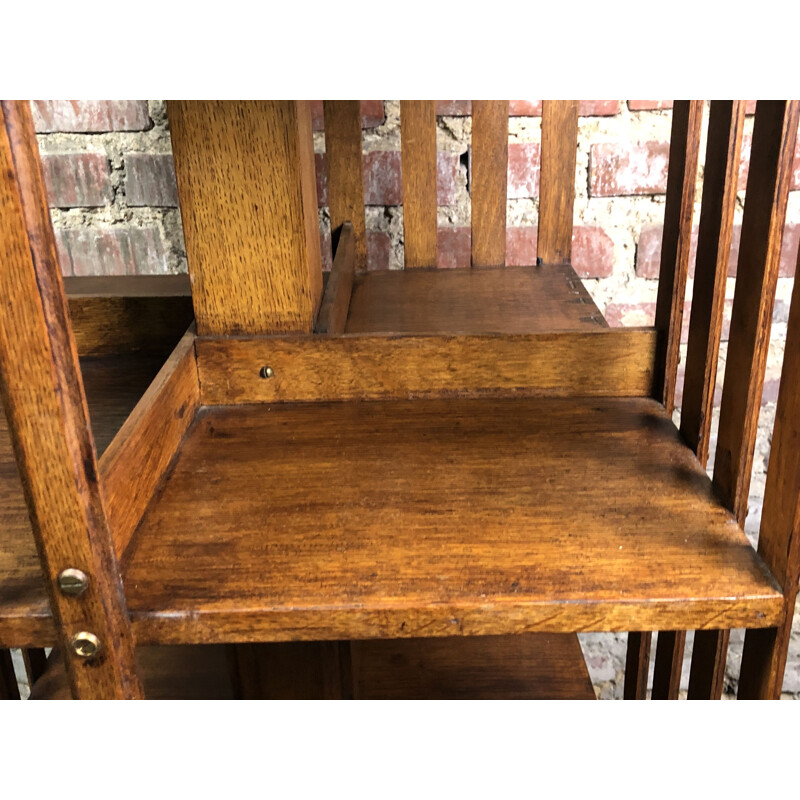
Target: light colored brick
[111,251]
[524,165]
[372,114]
[625,168]
[150,180]
[77,180]
[744,166]
[90,116]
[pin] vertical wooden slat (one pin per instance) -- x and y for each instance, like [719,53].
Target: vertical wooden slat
[684,150]
[343,148]
[332,316]
[35,662]
[764,655]
[418,143]
[9,688]
[49,422]
[771,158]
[721,173]
[557,181]
[637,665]
[247,191]
[489,181]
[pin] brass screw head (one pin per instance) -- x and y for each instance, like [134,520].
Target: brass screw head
[73,582]
[85,644]
[267,372]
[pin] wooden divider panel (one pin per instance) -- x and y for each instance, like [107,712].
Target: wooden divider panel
[418,143]
[489,175]
[557,181]
[248,199]
[346,172]
[49,422]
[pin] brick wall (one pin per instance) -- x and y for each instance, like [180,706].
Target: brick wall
[111,187]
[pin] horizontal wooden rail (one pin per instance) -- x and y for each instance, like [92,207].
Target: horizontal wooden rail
[604,363]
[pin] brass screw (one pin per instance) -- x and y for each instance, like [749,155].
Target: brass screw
[85,644]
[267,372]
[73,582]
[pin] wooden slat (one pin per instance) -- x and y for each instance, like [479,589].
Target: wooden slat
[135,460]
[769,178]
[637,665]
[248,199]
[436,518]
[346,171]
[557,180]
[332,315]
[48,417]
[35,662]
[83,286]
[418,144]
[9,688]
[720,176]
[489,179]
[606,363]
[764,656]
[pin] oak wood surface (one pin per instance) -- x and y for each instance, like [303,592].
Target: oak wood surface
[49,421]
[346,172]
[557,180]
[332,315]
[604,363]
[418,146]
[489,177]
[248,201]
[480,300]
[401,519]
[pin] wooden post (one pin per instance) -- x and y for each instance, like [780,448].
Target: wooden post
[248,201]
[49,424]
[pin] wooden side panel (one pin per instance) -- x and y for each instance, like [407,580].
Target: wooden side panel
[606,363]
[332,316]
[49,421]
[248,200]
[771,157]
[489,182]
[135,460]
[346,171]
[557,181]
[418,142]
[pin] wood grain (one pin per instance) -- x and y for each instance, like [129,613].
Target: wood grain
[605,363]
[771,158]
[668,665]
[438,518]
[248,201]
[136,459]
[332,315]
[489,182]
[346,171]
[418,146]
[541,299]
[557,180]
[637,665]
[49,421]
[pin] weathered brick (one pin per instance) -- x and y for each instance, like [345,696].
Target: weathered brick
[454,248]
[77,180]
[379,248]
[598,108]
[150,180]
[372,114]
[744,166]
[525,108]
[623,168]
[649,105]
[521,245]
[453,108]
[592,249]
[90,116]
[383,182]
[524,163]
[111,251]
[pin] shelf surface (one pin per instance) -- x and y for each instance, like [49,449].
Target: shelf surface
[113,385]
[438,518]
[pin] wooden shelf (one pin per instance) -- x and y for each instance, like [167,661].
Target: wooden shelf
[438,518]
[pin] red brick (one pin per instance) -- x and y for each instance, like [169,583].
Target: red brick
[454,248]
[521,246]
[598,108]
[77,180]
[371,114]
[111,251]
[750,107]
[592,252]
[150,180]
[744,167]
[628,169]
[525,108]
[528,108]
[649,105]
[453,108]
[524,162]
[382,178]
[630,315]
[90,116]
[379,248]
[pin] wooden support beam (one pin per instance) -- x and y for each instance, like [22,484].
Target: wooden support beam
[332,316]
[49,423]
[771,159]
[343,148]
[489,181]
[418,144]
[247,190]
[557,181]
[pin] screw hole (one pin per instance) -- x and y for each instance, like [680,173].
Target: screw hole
[266,372]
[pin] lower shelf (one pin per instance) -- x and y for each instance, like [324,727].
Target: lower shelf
[438,518]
